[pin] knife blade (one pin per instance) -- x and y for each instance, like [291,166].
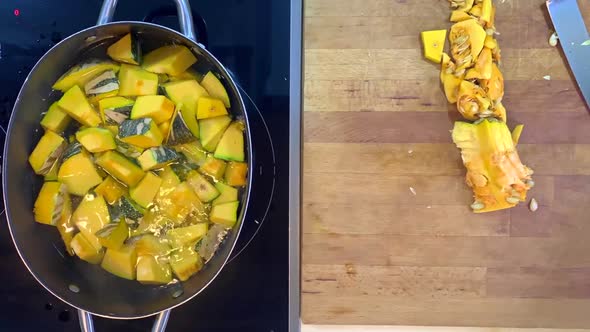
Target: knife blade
[573,37]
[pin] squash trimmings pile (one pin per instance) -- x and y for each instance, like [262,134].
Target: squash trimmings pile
[142,163]
[472,80]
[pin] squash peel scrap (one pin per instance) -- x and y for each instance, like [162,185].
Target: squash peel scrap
[495,173]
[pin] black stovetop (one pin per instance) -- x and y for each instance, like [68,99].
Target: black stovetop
[251,38]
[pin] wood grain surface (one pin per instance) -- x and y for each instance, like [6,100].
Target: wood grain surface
[388,235]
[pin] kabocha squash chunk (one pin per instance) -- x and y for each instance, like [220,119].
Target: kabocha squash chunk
[128,150]
[213,167]
[185,92]
[127,208]
[143,132]
[121,262]
[74,103]
[180,132]
[55,119]
[151,271]
[94,99]
[65,226]
[85,250]
[459,15]
[495,85]
[494,171]
[225,214]
[120,168]
[110,189]
[178,203]
[433,42]
[188,74]
[185,262]
[154,158]
[227,193]
[134,81]
[235,174]
[153,246]
[114,234]
[146,190]
[106,82]
[46,152]
[193,152]
[212,130]
[483,66]
[215,88]
[126,49]
[231,145]
[467,38]
[184,236]
[82,73]
[202,187]
[115,110]
[209,108]
[79,174]
[171,60]
[96,139]
[49,204]
[91,216]
[164,129]
[158,108]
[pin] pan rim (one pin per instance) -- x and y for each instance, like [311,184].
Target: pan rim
[250,155]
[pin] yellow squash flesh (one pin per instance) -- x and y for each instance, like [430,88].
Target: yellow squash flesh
[495,173]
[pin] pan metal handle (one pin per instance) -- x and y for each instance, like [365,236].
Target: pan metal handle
[87,325]
[185,16]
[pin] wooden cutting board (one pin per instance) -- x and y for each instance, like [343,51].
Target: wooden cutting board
[388,234]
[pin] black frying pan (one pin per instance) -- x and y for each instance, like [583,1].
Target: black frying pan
[82,285]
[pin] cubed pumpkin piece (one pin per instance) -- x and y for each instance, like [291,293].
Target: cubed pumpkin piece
[170,59]
[49,148]
[96,139]
[115,110]
[235,174]
[49,203]
[231,145]
[75,104]
[145,191]
[113,235]
[127,208]
[154,158]
[158,108]
[127,50]
[193,152]
[164,129]
[227,193]
[65,226]
[178,203]
[90,216]
[225,214]
[143,132]
[151,271]
[85,250]
[212,130]
[120,167]
[185,262]
[213,167]
[186,92]
[121,262]
[56,119]
[209,108]
[79,174]
[215,88]
[433,42]
[103,84]
[82,73]
[202,187]
[153,246]
[110,189]
[185,236]
[180,131]
[134,81]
